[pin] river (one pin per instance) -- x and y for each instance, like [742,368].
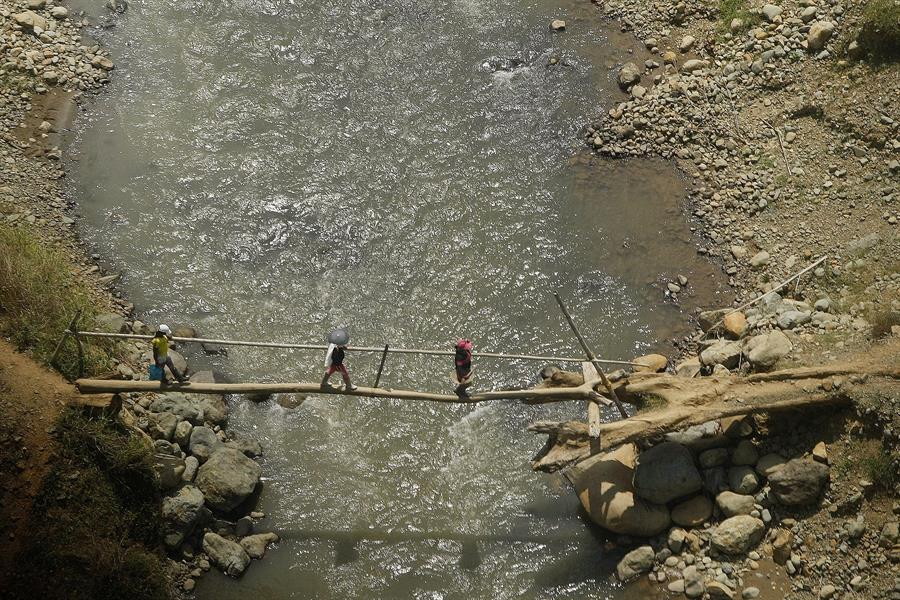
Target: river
[267,169]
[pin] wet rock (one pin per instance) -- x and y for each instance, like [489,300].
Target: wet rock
[604,486]
[255,545]
[732,504]
[799,482]
[629,75]
[737,535]
[763,351]
[666,472]
[291,401]
[693,512]
[635,562]
[819,34]
[249,448]
[225,554]
[180,514]
[227,479]
[204,443]
[243,527]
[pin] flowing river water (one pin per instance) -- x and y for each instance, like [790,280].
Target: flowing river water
[267,169]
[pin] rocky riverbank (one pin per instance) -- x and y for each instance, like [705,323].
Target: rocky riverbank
[790,136]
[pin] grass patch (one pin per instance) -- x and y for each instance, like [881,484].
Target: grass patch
[879,468]
[94,531]
[882,321]
[879,32]
[39,295]
[735,9]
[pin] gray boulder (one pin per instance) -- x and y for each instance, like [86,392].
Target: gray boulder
[249,448]
[770,11]
[204,443]
[737,535]
[799,482]
[732,504]
[793,318]
[111,323]
[723,353]
[196,408]
[255,545]
[629,75]
[666,472]
[639,560]
[180,514]
[162,426]
[763,351]
[191,464]
[225,554]
[227,479]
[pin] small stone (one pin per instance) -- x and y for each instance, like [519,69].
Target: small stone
[749,593]
[820,453]
[687,42]
[557,25]
[760,259]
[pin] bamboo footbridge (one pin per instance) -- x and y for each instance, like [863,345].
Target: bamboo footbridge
[594,376]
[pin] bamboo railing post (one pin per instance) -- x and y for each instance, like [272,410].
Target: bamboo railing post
[590,356]
[80,350]
[381,366]
[72,325]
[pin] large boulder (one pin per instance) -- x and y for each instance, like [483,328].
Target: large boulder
[180,513]
[250,448]
[722,353]
[763,351]
[604,486]
[162,426]
[255,545]
[629,75]
[770,463]
[204,443]
[799,482]
[737,535]
[666,472]
[227,479]
[225,554]
[651,363]
[639,560]
[196,408]
[111,323]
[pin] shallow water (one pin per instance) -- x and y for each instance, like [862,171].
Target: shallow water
[267,169]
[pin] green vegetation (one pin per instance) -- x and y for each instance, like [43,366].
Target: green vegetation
[878,467]
[735,9]
[882,321]
[879,33]
[94,531]
[39,295]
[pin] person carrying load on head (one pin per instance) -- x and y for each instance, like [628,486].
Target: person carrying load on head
[463,363]
[334,358]
[161,358]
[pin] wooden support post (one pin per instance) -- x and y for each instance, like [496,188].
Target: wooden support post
[591,357]
[590,373]
[381,366]
[73,324]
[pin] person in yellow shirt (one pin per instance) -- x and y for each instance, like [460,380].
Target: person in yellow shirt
[161,358]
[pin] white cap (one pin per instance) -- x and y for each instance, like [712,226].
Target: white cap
[164,329]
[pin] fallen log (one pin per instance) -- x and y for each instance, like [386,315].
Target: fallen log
[692,401]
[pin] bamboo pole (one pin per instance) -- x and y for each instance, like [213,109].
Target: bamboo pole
[113,386]
[135,336]
[381,366]
[590,356]
[72,326]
